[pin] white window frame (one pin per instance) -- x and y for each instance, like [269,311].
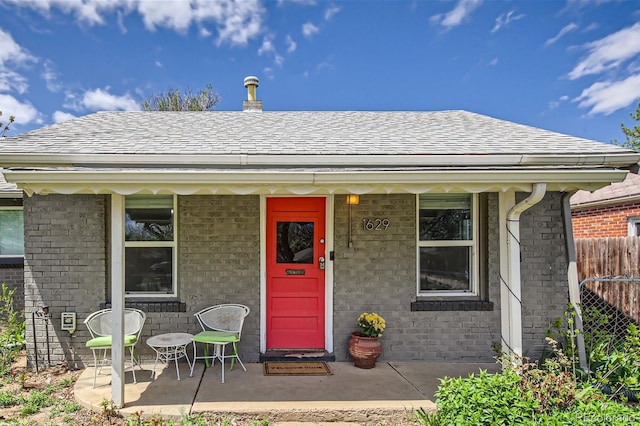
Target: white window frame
[473,253]
[14,256]
[174,260]
[632,223]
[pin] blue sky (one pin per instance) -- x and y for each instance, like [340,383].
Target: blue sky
[569,66]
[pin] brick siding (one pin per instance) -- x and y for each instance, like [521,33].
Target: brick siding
[603,221]
[65,258]
[66,268]
[379,274]
[545,291]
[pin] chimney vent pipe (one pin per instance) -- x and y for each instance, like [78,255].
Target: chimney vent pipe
[251,83]
[251,104]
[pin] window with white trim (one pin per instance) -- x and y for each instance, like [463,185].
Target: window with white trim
[634,226]
[447,244]
[150,245]
[11,231]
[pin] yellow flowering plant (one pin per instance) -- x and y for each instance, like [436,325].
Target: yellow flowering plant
[371,325]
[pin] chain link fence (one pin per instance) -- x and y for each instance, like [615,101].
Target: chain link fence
[609,305]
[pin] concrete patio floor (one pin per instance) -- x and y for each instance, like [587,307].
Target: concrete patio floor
[390,387]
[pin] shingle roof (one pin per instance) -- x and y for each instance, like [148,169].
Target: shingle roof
[301,133]
[616,192]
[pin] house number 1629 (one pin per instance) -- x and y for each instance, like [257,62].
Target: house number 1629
[375,224]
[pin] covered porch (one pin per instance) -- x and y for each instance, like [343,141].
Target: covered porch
[390,390]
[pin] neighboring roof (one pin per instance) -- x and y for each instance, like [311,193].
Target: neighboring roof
[617,193]
[304,152]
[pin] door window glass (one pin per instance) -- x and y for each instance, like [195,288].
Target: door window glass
[295,242]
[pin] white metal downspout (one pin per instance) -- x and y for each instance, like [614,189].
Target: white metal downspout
[511,293]
[572,277]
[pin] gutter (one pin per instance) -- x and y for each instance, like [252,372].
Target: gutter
[96,159]
[587,177]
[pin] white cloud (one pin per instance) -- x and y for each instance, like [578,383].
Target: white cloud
[556,104]
[300,2]
[86,11]
[24,112]
[325,66]
[609,52]
[331,11]
[581,4]
[12,81]
[50,77]
[564,31]
[101,100]
[60,116]
[237,21]
[174,15]
[267,46]
[159,64]
[309,29]
[291,45]
[268,71]
[505,19]
[609,96]
[493,62]
[12,52]
[120,22]
[455,17]
[591,27]
[12,55]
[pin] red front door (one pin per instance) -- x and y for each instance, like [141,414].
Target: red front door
[295,273]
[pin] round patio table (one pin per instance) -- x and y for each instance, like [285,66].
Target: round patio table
[170,347]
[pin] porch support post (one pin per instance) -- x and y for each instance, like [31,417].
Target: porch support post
[117,299]
[506,200]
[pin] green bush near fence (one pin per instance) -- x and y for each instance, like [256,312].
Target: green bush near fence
[554,391]
[12,330]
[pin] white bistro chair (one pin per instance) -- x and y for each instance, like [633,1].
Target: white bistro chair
[100,325]
[221,326]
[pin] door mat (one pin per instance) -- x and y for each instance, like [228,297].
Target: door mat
[313,368]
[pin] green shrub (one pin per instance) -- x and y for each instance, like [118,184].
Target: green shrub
[9,399]
[527,393]
[12,330]
[616,364]
[484,399]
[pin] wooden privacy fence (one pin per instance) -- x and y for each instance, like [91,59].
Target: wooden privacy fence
[608,257]
[603,264]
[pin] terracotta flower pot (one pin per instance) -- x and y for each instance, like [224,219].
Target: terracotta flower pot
[364,350]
